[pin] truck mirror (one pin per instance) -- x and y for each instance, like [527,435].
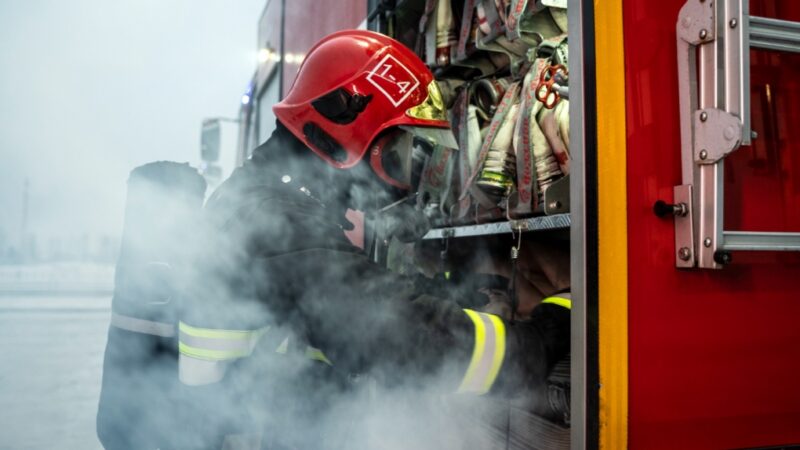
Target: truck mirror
[213,173]
[210,140]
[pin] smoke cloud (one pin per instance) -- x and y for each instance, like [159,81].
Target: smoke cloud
[250,261]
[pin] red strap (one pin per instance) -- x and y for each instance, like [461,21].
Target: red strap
[527,195]
[514,16]
[430,5]
[493,19]
[460,129]
[466,27]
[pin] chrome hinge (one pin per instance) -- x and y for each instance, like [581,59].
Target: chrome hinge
[716,134]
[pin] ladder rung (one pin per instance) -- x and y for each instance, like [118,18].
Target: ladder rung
[774,34]
[761,241]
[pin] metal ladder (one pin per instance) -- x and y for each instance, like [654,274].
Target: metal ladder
[715,121]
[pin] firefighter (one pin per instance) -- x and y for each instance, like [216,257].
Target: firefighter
[281,310]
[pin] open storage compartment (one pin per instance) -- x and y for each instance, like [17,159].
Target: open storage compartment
[500,202]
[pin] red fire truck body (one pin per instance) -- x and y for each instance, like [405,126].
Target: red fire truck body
[713,355]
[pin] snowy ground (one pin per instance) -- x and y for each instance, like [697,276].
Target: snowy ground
[44,278]
[52,355]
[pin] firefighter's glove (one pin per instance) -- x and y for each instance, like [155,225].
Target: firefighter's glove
[499,303]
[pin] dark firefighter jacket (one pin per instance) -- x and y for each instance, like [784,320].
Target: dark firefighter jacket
[274,259]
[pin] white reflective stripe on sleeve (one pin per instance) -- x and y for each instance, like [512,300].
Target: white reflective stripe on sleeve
[487,354]
[136,325]
[198,372]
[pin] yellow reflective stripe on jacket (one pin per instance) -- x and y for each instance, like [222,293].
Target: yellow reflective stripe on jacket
[213,333]
[311,352]
[560,301]
[213,355]
[487,354]
[216,344]
[284,347]
[317,355]
[220,345]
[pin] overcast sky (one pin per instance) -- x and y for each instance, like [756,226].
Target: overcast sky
[89,89]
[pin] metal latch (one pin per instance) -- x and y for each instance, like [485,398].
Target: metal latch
[716,134]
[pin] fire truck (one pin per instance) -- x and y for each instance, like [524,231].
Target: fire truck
[680,205]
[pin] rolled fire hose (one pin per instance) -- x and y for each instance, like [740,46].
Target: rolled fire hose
[545,163]
[550,128]
[445,32]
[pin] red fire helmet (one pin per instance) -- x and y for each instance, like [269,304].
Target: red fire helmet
[353,85]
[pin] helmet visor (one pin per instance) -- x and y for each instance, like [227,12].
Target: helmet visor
[432,108]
